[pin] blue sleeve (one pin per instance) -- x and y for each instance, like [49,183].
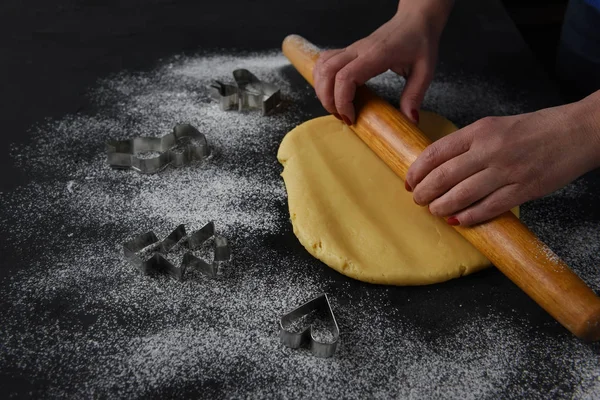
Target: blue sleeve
[578,61]
[594,3]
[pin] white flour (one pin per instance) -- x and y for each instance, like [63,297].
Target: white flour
[119,334]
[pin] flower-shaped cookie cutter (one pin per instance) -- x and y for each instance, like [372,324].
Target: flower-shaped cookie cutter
[180,147]
[307,335]
[149,254]
[248,93]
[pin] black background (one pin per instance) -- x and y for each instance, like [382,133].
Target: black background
[52,52]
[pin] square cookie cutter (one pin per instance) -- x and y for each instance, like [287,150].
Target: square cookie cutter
[294,340]
[248,93]
[180,147]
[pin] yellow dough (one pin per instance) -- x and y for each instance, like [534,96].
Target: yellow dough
[352,212]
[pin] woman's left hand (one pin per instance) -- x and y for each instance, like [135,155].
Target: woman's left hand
[497,163]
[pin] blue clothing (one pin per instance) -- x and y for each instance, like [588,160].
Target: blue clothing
[594,3]
[578,62]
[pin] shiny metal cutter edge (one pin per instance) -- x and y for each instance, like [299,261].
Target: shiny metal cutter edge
[296,339]
[121,154]
[248,93]
[158,263]
[222,250]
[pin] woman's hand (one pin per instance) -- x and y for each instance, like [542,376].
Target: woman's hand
[497,163]
[407,45]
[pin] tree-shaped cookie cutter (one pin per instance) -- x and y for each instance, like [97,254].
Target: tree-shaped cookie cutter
[294,340]
[180,147]
[154,260]
[248,93]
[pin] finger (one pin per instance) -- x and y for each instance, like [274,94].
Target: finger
[438,153]
[354,74]
[325,77]
[445,177]
[491,206]
[466,193]
[323,57]
[417,83]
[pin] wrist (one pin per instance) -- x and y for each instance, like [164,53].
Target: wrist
[433,12]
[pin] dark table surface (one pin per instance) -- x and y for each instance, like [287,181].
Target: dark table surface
[54,52]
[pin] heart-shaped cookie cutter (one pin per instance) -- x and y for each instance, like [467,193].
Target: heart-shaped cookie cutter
[248,93]
[155,260]
[294,340]
[180,147]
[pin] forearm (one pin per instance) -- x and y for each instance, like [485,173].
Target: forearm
[435,12]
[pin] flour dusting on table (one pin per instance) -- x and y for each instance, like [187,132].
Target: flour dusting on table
[77,309]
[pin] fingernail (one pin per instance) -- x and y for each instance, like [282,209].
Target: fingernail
[407,187]
[415,115]
[453,221]
[346,120]
[337,116]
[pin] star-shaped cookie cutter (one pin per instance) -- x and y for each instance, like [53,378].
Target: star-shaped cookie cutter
[294,339]
[147,253]
[249,92]
[180,147]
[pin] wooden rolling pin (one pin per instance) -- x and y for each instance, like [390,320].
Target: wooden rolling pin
[505,241]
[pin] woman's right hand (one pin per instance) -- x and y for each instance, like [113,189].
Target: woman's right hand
[407,45]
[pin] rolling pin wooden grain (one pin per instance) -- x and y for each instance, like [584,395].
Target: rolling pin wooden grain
[505,241]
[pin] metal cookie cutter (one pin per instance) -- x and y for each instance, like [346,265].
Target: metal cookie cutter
[297,329]
[222,251]
[148,253]
[248,93]
[153,261]
[177,148]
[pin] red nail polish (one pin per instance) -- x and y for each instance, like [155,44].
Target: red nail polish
[337,116]
[453,221]
[346,120]
[415,115]
[407,187]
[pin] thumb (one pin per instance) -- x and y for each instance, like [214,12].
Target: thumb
[414,91]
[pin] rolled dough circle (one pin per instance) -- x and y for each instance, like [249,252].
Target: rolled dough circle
[349,210]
